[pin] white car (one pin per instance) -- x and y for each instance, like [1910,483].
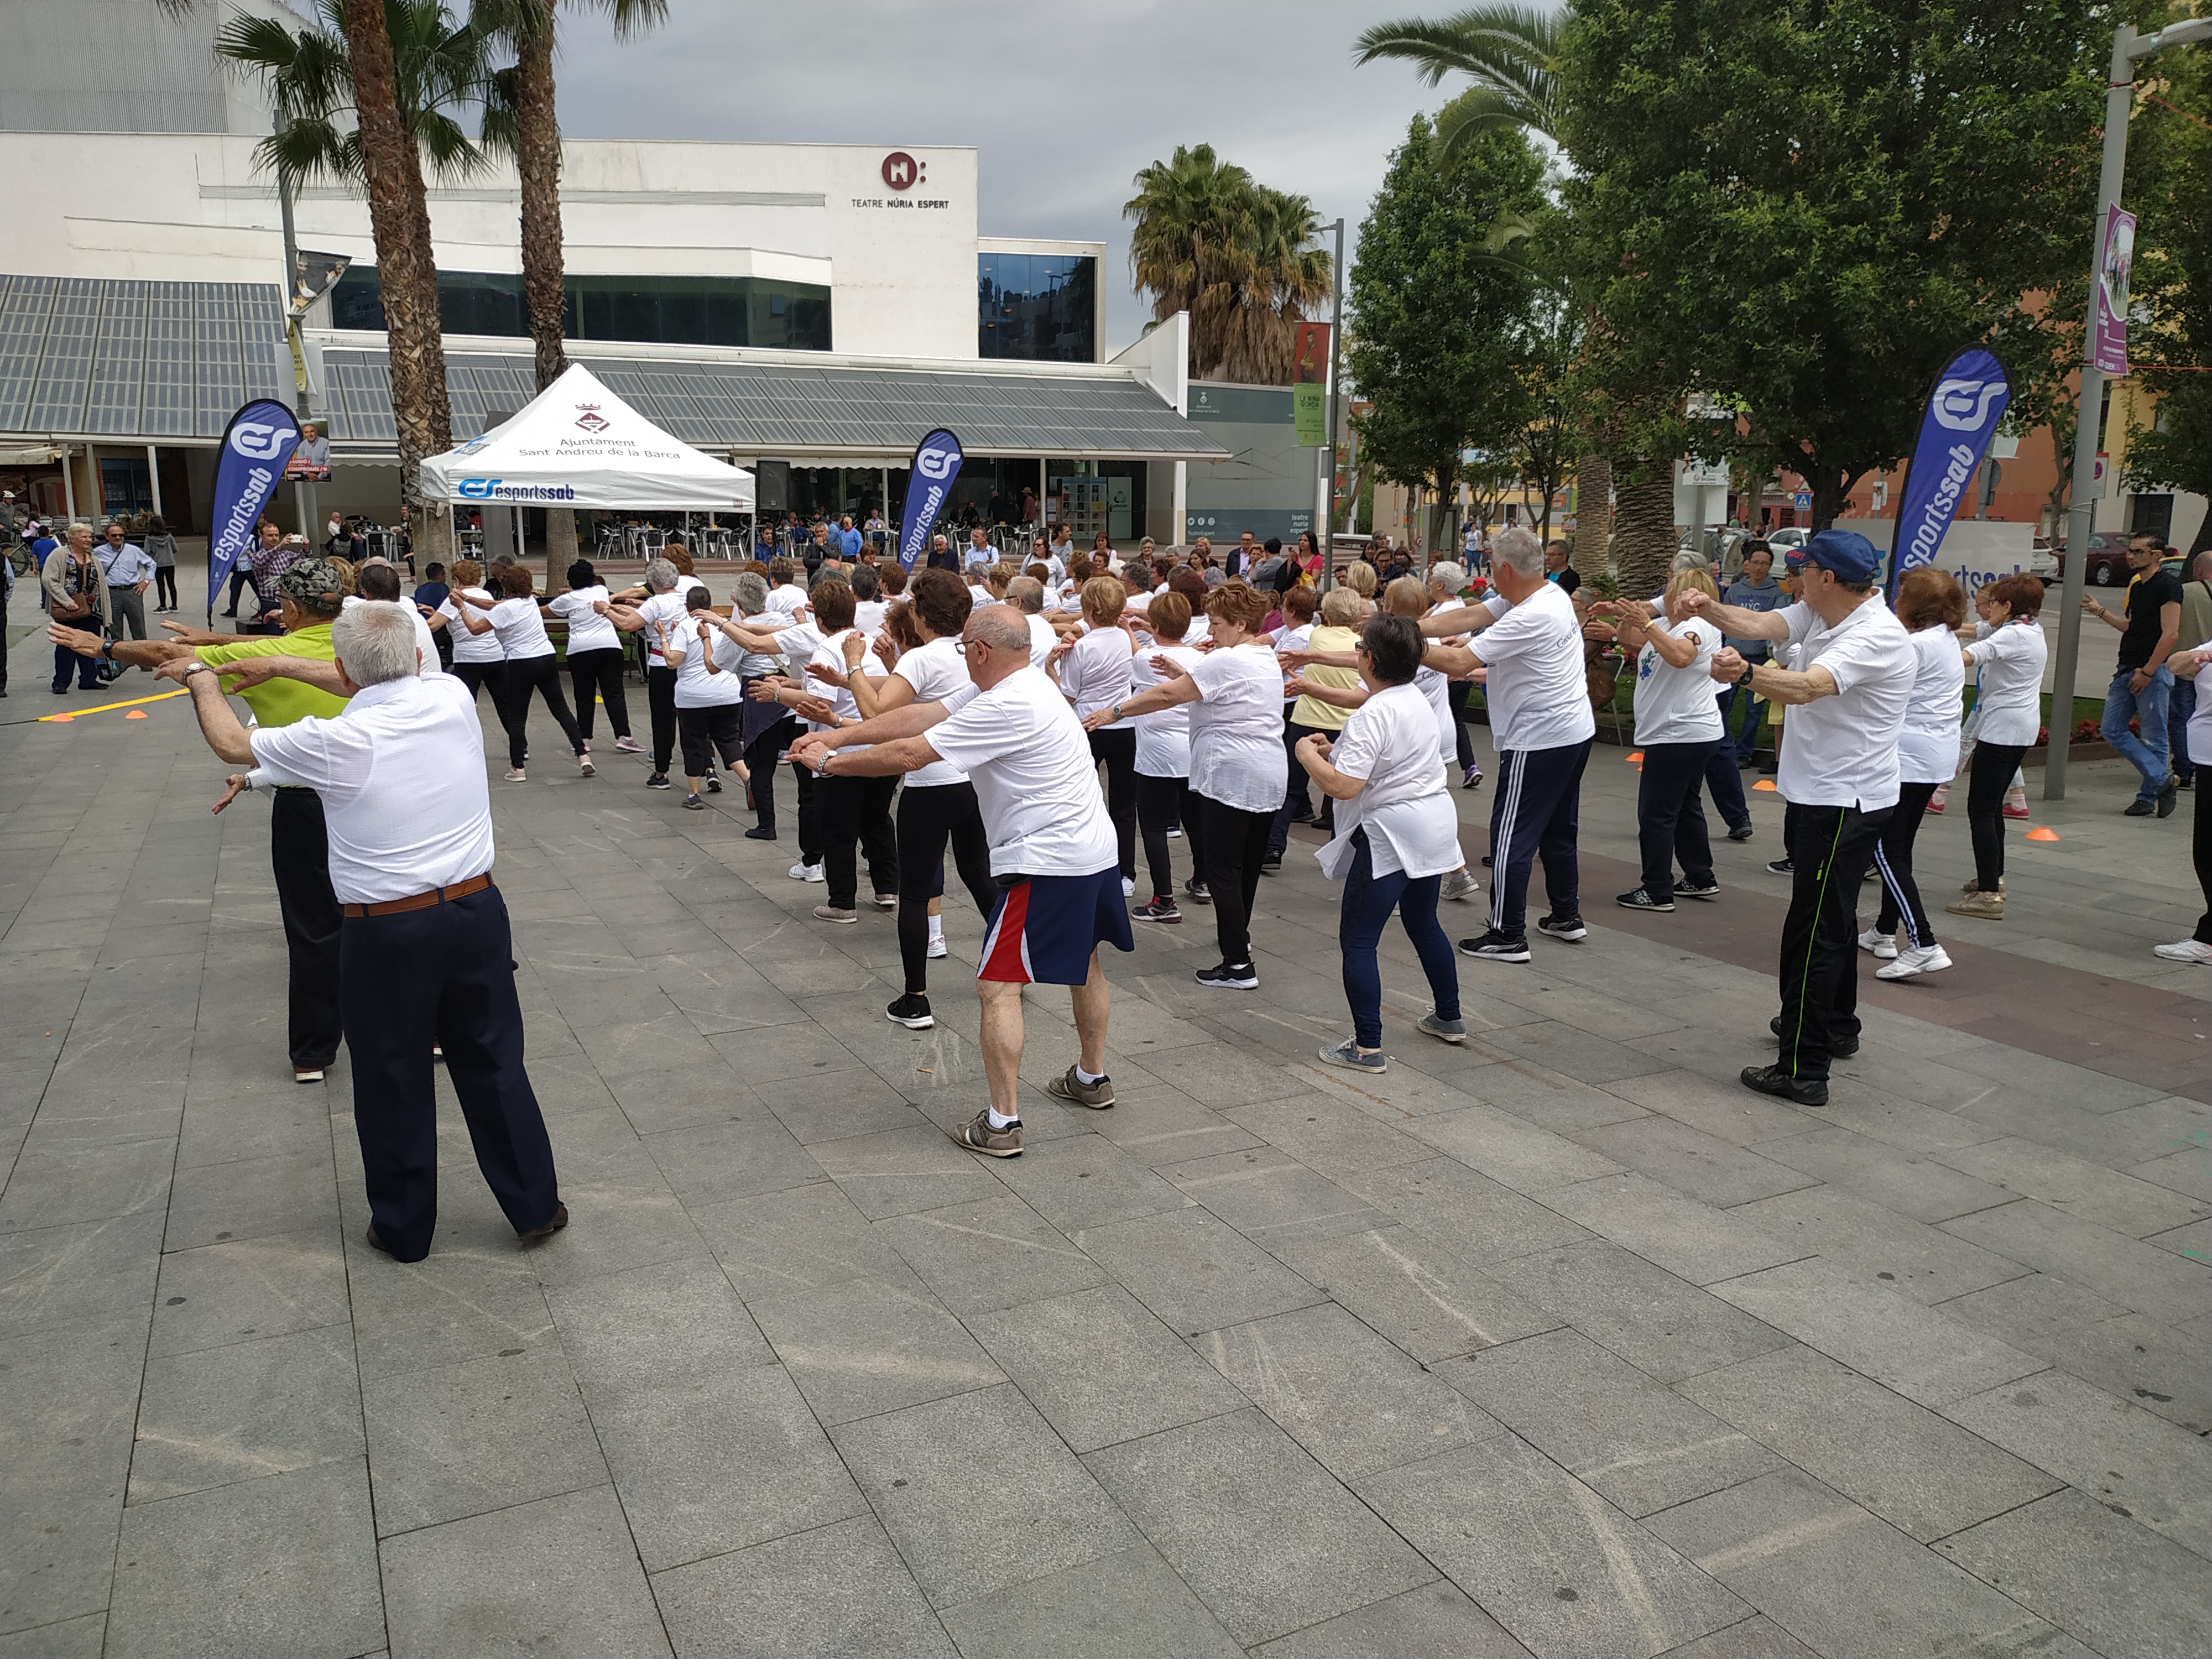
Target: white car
[1783,540]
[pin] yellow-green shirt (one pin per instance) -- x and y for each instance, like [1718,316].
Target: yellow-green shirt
[1311,712]
[282,702]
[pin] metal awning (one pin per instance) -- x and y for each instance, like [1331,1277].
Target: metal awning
[780,404]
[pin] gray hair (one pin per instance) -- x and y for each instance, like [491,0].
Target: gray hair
[2204,564]
[1519,551]
[660,574]
[376,643]
[1000,626]
[1688,559]
[1451,575]
[865,583]
[1026,594]
[750,593]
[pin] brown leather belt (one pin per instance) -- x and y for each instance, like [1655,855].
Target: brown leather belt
[423,901]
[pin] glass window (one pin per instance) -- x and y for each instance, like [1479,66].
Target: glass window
[729,311]
[1039,308]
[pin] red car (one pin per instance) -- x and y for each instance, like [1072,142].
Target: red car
[2108,559]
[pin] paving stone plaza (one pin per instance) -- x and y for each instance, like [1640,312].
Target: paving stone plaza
[1561,1343]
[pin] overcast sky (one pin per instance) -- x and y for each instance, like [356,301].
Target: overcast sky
[1063,102]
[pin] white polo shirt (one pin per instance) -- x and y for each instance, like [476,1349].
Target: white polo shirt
[1042,640]
[1842,751]
[401,774]
[1539,698]
[1025,752]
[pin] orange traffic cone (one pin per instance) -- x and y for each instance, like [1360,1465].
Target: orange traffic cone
[1636,757]
[2043,832]
[136,715]
[1766,784]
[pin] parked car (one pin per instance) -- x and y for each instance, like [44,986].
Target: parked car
[2107,563]
[2041,563]
[1782,540]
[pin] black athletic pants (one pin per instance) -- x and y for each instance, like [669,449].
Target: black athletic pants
[1989,777]
[1457,693]
[810,814]
[759,761]
[707,733]
[1118,750]
[1892,856]
[165,587]
[2200,851]
[1294,793]
[445,975]
[930,818]
[1161,802]
[299,859]
[1830,848]
[1535,812]
[542,676]
[598,673]
[1670,817]
[856,814]
[1235,842]
[660,702]
[486,676]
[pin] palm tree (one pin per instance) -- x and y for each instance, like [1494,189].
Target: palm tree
[1507,50]
[393,68]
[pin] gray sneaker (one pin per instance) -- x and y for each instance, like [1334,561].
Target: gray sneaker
[1068,1086]
[1450,1030]
[1346,1052]
[977,1135]
[1459,886]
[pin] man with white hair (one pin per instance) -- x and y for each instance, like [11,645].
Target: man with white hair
[426,947]
[1530,659]
[1026,595]
[1052,852]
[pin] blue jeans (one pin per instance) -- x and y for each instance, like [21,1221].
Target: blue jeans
[2147,754]
[1747,740]
[1368,899]
[2179,708]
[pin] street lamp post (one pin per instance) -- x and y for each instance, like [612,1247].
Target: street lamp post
[1326,541]
[2128,49]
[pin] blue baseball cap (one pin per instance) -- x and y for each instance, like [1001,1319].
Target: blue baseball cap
[1843,553]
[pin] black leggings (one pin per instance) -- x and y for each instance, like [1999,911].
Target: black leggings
[1119,751]
[1892,856]
[1457,693]
[1234,841]
[165,586]
[1161,802]
[856,813]
[705,733]
[759,761]
[485,676]
[2200,851]
[542,675]
[1990,777]
[660,702]
[599,672]
[928,819]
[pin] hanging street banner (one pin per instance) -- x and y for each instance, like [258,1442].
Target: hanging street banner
[1310,385]
[1963,411]
[256,446]
[2110,348]
[936,463]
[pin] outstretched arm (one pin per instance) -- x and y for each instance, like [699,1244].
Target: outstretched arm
[1734,620]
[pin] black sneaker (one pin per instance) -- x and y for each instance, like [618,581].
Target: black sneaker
[1773,1080]
[1494,946]
[1694,890]
[761,832]
[1569,928]
[693,804]
[659,780]
[1197,892]
[1840,1048]
[1272,864]
[1157,908]
[1742,832]
[1782,867]
[714,785]
[2167,796]
[911,1011]
[1230,977]
[2139,809]
[1640,899]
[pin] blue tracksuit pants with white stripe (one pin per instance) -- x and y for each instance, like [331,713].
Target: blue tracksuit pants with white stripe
[1534,814]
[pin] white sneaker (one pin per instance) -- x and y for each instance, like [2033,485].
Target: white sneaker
[1128,887]
[2186,950]
[1458,884]
[514,776]
[1882,945]
[807,872]
[938,948]
[1915,959]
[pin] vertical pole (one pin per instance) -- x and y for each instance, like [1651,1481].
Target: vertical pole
[1326,539]
[69,485]
[154,476]
[2089,425]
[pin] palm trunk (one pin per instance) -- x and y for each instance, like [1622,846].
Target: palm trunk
[537,161]
[400,219]
[1593,515]
[1643,541]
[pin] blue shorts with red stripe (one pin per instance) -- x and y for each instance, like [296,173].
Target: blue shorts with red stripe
[1044,929]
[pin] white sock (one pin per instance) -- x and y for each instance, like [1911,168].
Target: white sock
[1086,1078]
[936,928]
[998,1122]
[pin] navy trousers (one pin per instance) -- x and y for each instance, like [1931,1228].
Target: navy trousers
[1535,812]
[299,859]
[443,975]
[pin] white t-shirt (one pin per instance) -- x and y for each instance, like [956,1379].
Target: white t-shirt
[695,687]
[2200,722]
[1025,752]
[787,600]
[521,629]
[467,647]
[1094,674]
[1436,691]
[1236,729]
[1163,736]
[587,630]
[830,654]
[670,608]
[868,615]
[1042,640]
[1405,807]
[2009,663]
[1842,751]
[1927,743]
[1678,705]
[1539,698]
[426,643]
[935,671]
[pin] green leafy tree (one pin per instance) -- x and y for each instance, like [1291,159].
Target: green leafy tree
[1437,318]
[1805,208]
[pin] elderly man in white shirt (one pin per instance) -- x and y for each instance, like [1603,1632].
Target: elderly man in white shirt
[1848,673]
[427,950]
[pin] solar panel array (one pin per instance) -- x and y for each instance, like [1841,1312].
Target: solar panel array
[786,408]
[84,356]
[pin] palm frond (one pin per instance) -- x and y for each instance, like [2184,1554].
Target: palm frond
[1473,116]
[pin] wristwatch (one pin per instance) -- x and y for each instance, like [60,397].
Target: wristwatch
[1116,711]
[1749,668]
[198,667]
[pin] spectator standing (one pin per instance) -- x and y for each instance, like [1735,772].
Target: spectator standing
[2149,623]
[74,588]
[129,573]
[1754,589]
[1558,568]
[161,547]
[849,540]
[2196,625]
[979,555]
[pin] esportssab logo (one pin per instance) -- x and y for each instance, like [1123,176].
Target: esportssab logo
[935,464]
[477,489]
[1964,405]
[261,441]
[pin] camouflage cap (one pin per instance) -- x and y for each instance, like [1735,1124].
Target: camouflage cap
[311,579]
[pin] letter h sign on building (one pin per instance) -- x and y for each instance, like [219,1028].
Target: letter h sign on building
[1962,414]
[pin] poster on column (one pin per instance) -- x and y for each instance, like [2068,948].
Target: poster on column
[256,446]
[1963,410]
[2111,346]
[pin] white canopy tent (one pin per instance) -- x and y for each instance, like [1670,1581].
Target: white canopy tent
[577,445]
